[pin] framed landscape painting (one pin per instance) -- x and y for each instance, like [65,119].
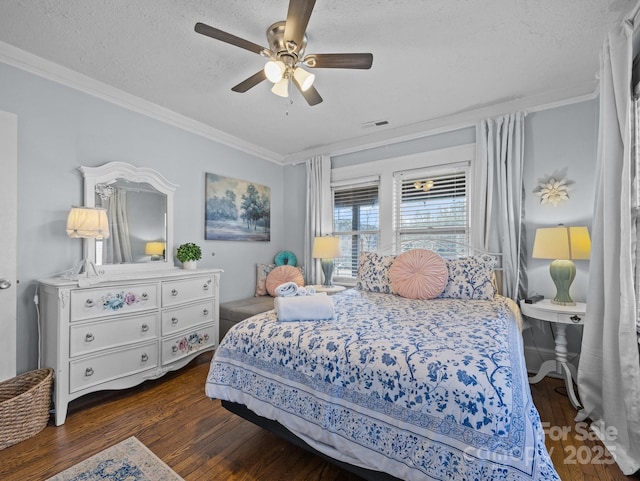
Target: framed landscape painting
[236,209]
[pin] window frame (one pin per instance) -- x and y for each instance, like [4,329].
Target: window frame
[441,159]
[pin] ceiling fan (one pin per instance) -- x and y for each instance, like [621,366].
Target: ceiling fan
[287,42]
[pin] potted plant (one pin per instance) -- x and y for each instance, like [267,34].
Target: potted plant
[188,254]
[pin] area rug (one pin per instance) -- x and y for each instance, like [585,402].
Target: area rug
[129,460]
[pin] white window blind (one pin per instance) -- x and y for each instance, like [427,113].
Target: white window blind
[431,210]
[356,221]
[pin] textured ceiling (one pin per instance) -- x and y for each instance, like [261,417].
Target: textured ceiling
[432,59]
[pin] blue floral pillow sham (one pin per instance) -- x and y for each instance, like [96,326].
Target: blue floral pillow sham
[470,278]
[373,272]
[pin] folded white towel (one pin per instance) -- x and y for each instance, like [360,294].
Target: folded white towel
[304,308]
[287,289]
[312,290]
[302,291]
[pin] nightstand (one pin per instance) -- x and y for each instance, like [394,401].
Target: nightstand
[561,316]
[328,290]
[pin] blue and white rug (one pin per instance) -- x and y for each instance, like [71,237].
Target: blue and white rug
[129,460]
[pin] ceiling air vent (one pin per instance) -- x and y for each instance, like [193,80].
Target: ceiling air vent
[375,123]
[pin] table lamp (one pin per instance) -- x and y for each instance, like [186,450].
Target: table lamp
[87,223]
[326,249]
[154,249]
[563,244]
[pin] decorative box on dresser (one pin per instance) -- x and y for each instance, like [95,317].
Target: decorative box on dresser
[121,332]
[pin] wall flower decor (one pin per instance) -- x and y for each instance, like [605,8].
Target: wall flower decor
[553,189]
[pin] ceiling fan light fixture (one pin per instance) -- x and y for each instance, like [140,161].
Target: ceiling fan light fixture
[281,88]
[274,70]
[304,78]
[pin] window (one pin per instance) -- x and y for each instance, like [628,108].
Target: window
[356,221]
[431,206]
[378,207]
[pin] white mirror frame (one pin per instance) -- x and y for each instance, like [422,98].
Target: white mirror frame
[111,171]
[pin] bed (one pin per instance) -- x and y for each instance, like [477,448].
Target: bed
[393,387]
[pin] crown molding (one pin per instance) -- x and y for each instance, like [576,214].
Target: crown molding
[31,63]
[459,120]
[26,61]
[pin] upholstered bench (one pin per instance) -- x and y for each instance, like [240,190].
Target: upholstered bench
[235,311]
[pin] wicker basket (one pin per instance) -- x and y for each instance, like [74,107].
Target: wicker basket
[24,406]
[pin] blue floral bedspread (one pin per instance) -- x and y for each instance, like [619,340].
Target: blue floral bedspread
[418,389]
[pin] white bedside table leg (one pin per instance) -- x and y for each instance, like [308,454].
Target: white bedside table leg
[547,367]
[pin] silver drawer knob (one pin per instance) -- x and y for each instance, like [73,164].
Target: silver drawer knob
[174,292]
[144,357]
[206,286]
[205,312]
[89,303]
[145,327]
[174,349]
[144,296]
[88,371]
[89,337]
[575,318]
[174,320]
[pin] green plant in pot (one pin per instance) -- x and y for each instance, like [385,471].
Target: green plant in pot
[188,254]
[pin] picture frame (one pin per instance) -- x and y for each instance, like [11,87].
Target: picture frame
[236,209]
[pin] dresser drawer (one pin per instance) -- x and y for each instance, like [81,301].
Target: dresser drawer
[181,318]
[182,345]
[110,301]
[89,337]
[90,371]
[178,292]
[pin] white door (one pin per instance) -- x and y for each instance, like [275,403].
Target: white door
[8,242]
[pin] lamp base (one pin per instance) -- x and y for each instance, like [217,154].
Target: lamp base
[85,269]
[562,273]
[327,270]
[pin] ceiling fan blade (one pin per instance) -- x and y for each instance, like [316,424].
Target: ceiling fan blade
[297,20]
[252,81]
[227,38]
[339,60]
[311,95]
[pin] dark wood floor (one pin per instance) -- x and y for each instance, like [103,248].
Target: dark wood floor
[200,440]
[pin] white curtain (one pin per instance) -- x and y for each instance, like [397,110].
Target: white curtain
[117,247]
[319,216]
[496,214]
[609,370]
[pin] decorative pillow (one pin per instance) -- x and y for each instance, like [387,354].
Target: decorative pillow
[419,274]
[470,278]
[285,258]
[262,271]
[282,274]
[373,272]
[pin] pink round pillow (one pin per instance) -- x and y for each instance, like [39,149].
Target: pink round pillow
[282,274]
[419,274]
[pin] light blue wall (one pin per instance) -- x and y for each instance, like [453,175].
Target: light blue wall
[561,139]
[60,129]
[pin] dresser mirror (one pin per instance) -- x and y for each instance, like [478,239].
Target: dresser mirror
[139,204]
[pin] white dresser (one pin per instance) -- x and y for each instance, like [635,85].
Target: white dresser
[117,334]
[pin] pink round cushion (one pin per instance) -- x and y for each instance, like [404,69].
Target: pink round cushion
[282,274]
[419,274]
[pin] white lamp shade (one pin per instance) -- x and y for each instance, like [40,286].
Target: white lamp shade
[326,247]
[154,248]
[274,69]
[304,78]
[281,88]
[562,242]
[87,223]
